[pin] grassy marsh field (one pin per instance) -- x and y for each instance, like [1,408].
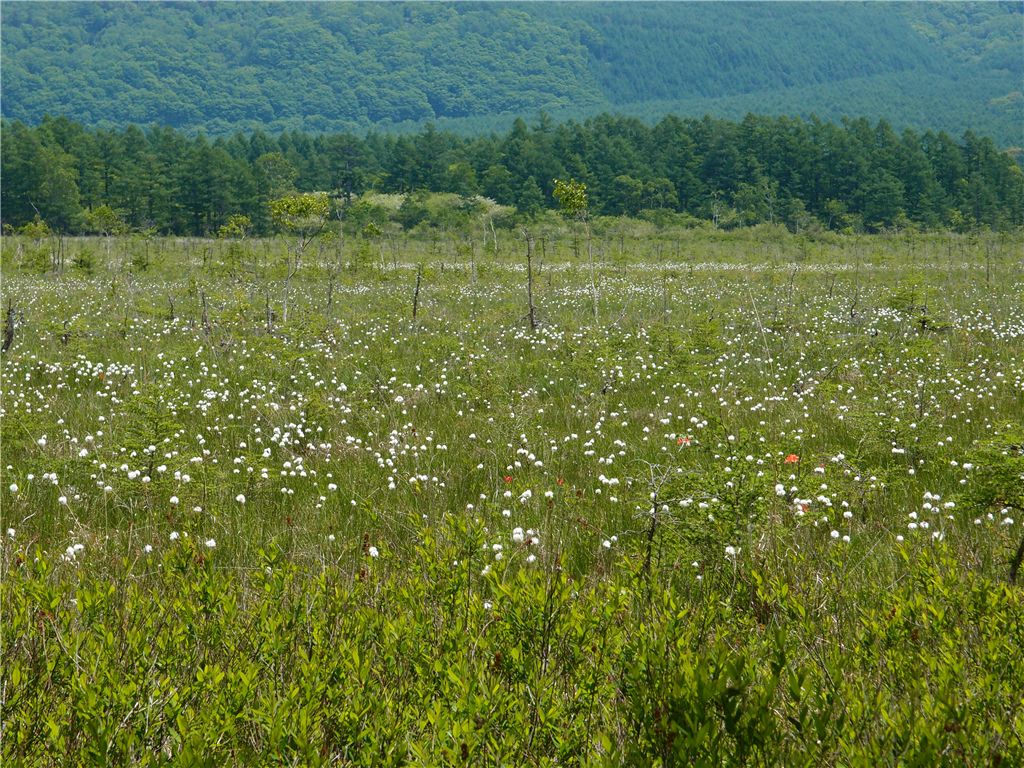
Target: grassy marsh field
[763,510]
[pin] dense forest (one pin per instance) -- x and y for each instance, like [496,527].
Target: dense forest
[854,175]
[471,67]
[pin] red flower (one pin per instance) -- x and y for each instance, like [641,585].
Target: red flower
[561,481]
[508,478]
[792,458]
[683,441]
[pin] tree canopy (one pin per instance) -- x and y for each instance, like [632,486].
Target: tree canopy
[329,67]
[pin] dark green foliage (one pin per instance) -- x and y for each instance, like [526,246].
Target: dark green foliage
[186,662]
[340,66]
[801,173]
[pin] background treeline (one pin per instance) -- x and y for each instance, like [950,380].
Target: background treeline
[802,173]
[473,67]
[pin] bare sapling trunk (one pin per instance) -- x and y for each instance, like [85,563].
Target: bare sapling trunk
[293,267]
[9,327]
[593,278]
[206,314]
[529,280]
[416,292]
[659,476]
[340,250]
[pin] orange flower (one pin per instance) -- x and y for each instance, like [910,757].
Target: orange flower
[792,458]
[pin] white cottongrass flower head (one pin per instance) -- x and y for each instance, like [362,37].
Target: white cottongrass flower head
[71,553]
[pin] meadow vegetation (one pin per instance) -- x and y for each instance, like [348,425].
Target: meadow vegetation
[739,498]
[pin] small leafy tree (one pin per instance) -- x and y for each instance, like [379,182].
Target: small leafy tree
[235,230]
[37,229]
[237,227]
[572,199]
[304,215]
[104,220]
[36,257]
[572,202]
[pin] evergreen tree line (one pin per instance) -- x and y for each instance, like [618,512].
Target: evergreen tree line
[854,175]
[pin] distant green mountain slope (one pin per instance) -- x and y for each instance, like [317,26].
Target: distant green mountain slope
[331,66]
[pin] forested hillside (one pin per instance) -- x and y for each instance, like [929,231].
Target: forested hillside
[855,175]
[333,66]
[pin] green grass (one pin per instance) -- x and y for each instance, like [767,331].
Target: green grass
[464,541]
